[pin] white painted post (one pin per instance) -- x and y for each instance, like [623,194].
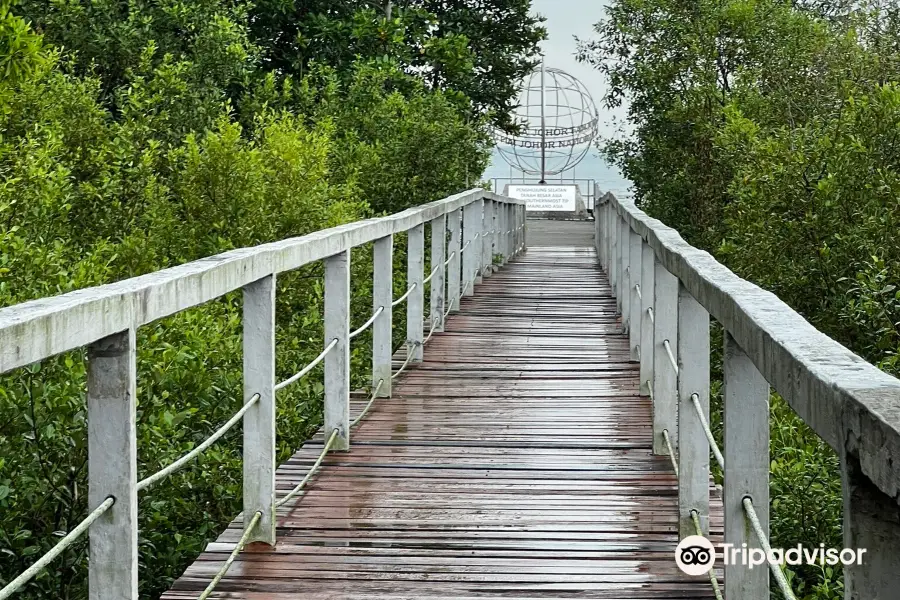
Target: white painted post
[112,467]
[382,296]
[497,238]
[415,303]
[477,247]
[524,228]
[613,272]
[438,241]
[746,466]
[665,388]
[470,263]
[647,294]
[453,268]
[510,245]
[598,231]
[625,291]
[635,259]
[259,421]
[486,269]
[337,362]
[693,447]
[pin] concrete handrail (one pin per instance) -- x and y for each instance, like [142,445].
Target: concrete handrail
[666,290]
[847,401]
[36,330]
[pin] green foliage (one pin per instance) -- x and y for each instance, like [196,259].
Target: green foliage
[137,136]
[765,132]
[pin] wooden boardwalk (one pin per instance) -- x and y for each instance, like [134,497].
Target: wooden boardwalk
[514,462]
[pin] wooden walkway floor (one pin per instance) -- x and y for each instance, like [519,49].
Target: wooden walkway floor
[513,462]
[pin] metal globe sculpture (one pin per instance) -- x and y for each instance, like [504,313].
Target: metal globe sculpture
[558,121]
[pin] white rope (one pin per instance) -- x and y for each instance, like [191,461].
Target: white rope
[463,249]
[228,562]
[637,288]
[368,323]
[360,416]
[13,586]
[452,254]
[671,451]
[312,470]
[709,436]
[409,355]
[650,313]
[671,356]
[308,367]
[434,324]
[404,296]
[145,483]
[712,572]
[777,573]
[430,275]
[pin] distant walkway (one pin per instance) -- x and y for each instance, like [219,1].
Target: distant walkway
[514,462]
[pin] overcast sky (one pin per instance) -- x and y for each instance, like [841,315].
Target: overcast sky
[566,19]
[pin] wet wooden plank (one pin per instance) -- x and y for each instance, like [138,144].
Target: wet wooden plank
[515,461]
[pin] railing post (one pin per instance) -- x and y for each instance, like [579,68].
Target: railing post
[415,304]
[625,290]
[510,243]
[613,271]
[383,296]
[693,447]
[496,220]
[259,421]
[477,247]
[438,241]
[635,259]
[112,467]
[524,211]
[746,466]
[337,362]
[486,268]
[598,232]
[470,261]
[453,268]
[648,290]
[665,380]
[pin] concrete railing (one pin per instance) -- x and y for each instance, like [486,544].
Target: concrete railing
[472,226]
[666,292]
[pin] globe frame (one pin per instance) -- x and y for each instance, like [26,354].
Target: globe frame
[556,147]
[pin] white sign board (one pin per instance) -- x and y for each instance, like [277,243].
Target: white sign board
[545,198]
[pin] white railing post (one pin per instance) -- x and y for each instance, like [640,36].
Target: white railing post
[510,247]
[625,290]
[453,267]
[382,328]
[665,380]
[746,438]
[477,247]
[693,446]
[470,262]
[486,268]
[648,290]
[599,234]
[496,220]
[523,229]
[415,303]
[613,271]
[635,260]
[337,362]
[259,421]
[438,241]
[112,467]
